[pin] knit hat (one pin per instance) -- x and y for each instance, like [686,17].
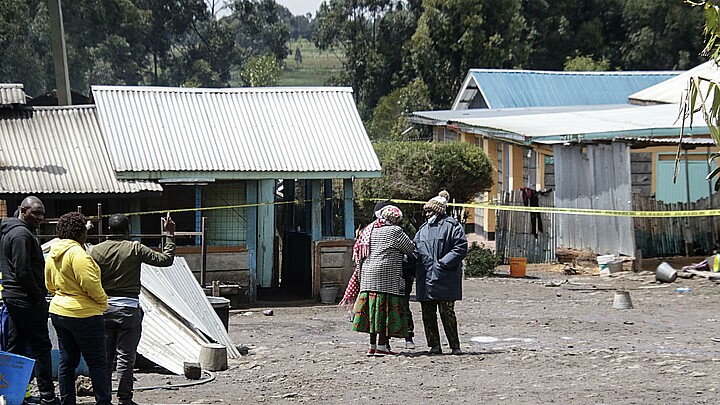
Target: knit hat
[438,204]
[379,206]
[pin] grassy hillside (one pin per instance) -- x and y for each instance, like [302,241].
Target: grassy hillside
[317,66]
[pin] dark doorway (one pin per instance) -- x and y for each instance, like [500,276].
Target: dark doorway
[292,273]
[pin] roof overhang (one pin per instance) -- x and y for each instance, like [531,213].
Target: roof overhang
[672,91]
[170,177]
[573,125]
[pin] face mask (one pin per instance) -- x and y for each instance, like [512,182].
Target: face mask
[432,219]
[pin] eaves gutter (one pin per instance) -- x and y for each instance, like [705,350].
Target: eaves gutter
[610,135]
[414,119]
[494,133]
[520,139]
[210,176]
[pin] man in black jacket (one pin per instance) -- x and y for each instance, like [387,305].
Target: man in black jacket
[24,292]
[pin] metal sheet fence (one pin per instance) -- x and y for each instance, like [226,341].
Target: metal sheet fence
[657,237]
[513,230]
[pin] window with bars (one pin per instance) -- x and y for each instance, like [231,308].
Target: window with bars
[225,226]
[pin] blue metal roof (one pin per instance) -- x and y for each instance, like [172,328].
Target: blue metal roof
[532,88]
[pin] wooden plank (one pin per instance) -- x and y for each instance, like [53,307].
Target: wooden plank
[710,275]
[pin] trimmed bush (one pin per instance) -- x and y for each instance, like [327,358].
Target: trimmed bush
[481,261]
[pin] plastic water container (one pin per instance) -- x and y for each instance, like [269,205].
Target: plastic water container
[15,373]
[603,262]
[518,266]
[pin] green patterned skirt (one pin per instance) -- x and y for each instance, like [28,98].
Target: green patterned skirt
[380,313]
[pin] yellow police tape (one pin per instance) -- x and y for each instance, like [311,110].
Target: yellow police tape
[549,210]
[579,211]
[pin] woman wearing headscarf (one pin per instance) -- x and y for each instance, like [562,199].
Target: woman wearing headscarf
[378,253]
[76,310]
[353,288]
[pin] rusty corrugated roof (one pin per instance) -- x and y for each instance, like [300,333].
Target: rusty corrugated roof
[58,150]
[11,94]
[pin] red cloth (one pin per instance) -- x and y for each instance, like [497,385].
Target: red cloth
[361,250]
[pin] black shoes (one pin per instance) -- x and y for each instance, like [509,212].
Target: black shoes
[37,400]
[438,350]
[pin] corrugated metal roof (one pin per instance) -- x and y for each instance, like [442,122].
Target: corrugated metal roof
[57,150]
[247,130]
[165,339]
[442,117]
[672,90]
[590,124]
[532,88]
[668,141]
[11,93]
[177,288]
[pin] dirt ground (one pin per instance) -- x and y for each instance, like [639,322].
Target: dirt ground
[547,338]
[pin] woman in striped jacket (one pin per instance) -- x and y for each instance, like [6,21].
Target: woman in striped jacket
[378,253]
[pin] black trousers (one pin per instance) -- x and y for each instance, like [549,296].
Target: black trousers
[29,329]
[86,337]
[408,313]
[536,224]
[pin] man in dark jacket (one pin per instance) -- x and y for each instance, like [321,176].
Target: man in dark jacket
[120,259]
[442,246]
[23,271]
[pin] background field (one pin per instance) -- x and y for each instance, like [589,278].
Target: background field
[317,66]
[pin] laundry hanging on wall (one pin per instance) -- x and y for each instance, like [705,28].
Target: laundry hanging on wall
[531,198]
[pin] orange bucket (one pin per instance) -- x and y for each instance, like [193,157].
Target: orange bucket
[517,266]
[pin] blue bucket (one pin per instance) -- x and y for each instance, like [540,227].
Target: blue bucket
[15,374]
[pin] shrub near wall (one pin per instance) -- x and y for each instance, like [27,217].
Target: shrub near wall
[419,170]
[481,261]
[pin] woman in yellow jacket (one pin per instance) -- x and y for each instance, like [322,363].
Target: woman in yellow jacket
[76,309]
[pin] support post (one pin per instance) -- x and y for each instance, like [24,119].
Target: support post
[328,204]
[198,213]
[265,232]
[308,206]
[203,253]
[688,232]
[57,34]
[100,217]
[316,210]
[349,208]
[251,237]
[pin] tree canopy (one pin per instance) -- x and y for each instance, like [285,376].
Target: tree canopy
[391,43]
[419,170]
[387,44]
[136,42]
